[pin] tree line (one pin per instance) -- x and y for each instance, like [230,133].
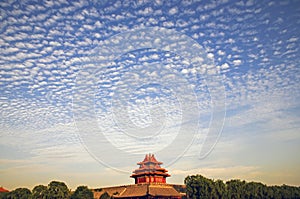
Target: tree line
[54,190]
[198,186]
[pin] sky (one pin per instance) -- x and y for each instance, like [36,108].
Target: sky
[89,87]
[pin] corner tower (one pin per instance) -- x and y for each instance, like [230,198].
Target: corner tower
[150,171]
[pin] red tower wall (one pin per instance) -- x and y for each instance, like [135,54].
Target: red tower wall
[150,179]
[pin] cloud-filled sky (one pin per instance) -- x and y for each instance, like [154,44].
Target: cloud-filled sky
[89,87]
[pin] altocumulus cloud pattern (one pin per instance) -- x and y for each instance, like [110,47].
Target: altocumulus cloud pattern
[47,45]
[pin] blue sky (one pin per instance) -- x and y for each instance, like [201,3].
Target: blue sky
[89,87]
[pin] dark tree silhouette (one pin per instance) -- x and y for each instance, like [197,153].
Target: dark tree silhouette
[82,192]
[57,190]
[39,192]
[198,186]
[19,193]
[105,196]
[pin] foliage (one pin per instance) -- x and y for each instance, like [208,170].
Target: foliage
[54,190]
[198,186]
[57,190]
[3,195]
[82,192]
[235,189]
[39,192]
[220,189]
[19,193]
[105,195]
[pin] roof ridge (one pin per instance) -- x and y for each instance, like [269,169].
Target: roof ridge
[123,191]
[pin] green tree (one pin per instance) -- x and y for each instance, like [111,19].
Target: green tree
[198,186]
[19,193]
[220,189]
[235,189]
[57,190]
[105,195]
[3,195]
[39,192]
[255,190]
[82,192]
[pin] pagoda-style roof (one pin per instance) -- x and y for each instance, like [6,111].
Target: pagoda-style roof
[149,158]
[150,166]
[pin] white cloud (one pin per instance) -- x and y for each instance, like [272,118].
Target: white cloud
[237,62]
[147,11]
[173,10]
[210,55]
[224,66]
[220,52]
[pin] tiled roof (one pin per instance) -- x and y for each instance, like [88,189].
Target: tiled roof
[150,158]
[138,190]
[162,190]
[134,190]
[3,190]
[150,173]
[150,166]
[110,190]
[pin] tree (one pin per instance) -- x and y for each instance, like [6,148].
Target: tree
[198,186]
[82,192]
[192,187]
[105,195]
[3,195]
[220,189]
[235,189]
[255,190]
[57,190]
[19,193]
[39,192]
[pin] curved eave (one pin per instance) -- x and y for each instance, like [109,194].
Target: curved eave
[150,173]
[145,162]
[149,170]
